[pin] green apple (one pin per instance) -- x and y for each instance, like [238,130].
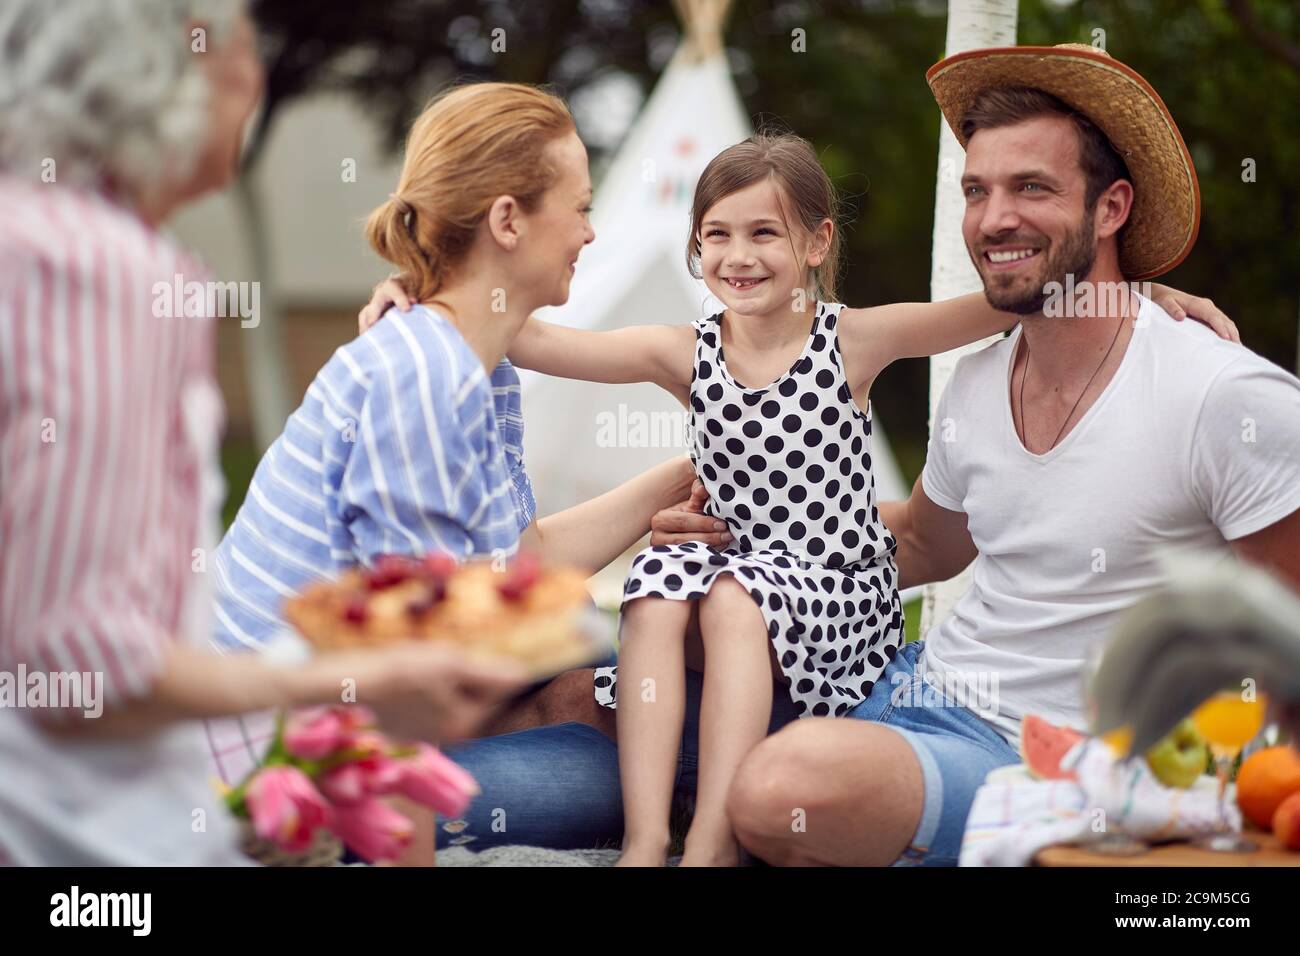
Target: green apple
[1180,757]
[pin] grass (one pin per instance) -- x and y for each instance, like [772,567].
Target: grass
[912,621]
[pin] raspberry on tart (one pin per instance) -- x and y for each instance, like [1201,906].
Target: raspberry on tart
[526,611]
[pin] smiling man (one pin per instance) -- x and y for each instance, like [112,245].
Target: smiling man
[1062,458]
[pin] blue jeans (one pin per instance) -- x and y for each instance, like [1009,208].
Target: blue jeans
[558,786]
[955,748]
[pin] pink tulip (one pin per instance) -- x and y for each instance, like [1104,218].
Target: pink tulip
[373,829]
[317,732]
[379,770]
[367,742]
[372,771]
[351,782]
[356,717]
[313,733]
[429,778]
[343,786]
[285,808]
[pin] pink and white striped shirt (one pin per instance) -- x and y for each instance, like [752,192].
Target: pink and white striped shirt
[99,491]
[109,419]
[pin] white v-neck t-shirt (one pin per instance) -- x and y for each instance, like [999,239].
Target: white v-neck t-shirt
[1194,442]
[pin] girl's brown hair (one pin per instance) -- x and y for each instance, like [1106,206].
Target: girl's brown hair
[471,144]
[790,161]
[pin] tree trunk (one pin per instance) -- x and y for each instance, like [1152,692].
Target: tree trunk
[262,345]
[972,24]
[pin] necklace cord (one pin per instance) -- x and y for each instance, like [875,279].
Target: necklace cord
[1024,436]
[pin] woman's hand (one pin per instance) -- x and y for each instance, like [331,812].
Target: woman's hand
[686,521]
[1181,305]
[387,293]
[431,692]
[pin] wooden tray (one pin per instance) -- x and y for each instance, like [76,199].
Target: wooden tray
[1270,853]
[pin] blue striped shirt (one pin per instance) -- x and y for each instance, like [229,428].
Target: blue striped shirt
[402,445]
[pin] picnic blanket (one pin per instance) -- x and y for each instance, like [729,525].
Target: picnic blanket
[530,856]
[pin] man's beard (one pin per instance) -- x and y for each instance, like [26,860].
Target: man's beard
[1025,295]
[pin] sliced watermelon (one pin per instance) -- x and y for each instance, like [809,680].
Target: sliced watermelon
[1043,744]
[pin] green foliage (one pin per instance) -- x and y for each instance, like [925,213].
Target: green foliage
[858,92]
[238,462]
[1233,102]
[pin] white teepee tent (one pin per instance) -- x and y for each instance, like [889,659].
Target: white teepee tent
[584,439]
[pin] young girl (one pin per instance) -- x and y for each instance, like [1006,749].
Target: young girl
[805,596]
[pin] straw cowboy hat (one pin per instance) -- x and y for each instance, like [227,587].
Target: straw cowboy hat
[1166,212]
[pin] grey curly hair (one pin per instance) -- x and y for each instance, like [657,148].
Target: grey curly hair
[107,89]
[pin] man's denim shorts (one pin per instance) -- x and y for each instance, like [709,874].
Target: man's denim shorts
[956,750]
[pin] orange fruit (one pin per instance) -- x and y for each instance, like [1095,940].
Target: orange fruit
[1266,778]
[1286,822]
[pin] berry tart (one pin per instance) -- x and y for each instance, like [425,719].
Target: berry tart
[539,615]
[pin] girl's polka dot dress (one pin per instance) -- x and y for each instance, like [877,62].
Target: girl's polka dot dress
[788,468]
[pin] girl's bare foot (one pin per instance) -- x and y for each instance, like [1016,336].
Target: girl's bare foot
[643,855]
[720,851]
[715,859]
[646,851]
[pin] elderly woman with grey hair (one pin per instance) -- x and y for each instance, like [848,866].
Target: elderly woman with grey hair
[113,113]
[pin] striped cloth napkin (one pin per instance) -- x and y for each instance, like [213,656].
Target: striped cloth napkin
[1014,816]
